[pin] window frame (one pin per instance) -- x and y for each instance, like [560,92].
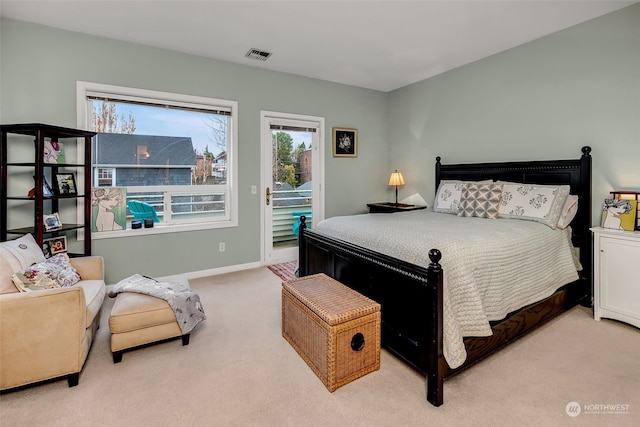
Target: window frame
[86,89]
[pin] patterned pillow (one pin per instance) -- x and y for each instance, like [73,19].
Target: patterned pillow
[480,200]
[448,195]
[54,272]
[541,203]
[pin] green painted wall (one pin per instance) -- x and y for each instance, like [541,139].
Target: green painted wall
[39,69]
[542,100]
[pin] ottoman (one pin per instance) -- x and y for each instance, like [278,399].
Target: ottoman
[138,320]
[333,328]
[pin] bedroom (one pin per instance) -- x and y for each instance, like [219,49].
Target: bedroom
[542,100]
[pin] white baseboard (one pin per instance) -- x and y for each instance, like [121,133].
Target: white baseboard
[222,270]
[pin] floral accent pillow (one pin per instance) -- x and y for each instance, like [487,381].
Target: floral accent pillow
[448,195]
[541,203]
[54,272]
[480,200]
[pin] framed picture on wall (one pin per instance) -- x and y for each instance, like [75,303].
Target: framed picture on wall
[345,142]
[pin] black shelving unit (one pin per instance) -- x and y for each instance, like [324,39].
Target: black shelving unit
[12,135]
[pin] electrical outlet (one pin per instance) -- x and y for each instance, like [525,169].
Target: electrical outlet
[221,247]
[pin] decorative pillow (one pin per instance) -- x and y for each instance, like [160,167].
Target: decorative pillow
[569,211]
[55,272]
[541,203]
[480,200]
[6,284]
[448,195]
[21,252]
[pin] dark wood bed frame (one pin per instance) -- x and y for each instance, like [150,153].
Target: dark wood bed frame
[411,296]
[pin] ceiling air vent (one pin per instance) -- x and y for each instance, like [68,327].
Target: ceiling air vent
[260,55]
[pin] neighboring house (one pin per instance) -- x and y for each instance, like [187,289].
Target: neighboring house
[219,168]
[304,165]
[142,160]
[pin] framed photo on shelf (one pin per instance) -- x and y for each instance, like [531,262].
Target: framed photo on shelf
[47,191]
[52,222]
[55,245]
[66,184]
[345,142]
[53,152]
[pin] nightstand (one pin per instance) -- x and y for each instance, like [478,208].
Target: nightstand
[388,207]
[616,283]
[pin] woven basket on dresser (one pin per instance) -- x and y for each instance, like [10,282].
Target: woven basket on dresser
[333,328]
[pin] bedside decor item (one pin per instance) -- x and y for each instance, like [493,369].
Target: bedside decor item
[345,142]
[396,179]
[52,222]
[619,214]
[630,195]
[66,184]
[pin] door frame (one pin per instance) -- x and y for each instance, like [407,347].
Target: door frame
[267,255]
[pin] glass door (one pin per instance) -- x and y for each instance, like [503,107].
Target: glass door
[290,183]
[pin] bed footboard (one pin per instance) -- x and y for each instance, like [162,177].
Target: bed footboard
[410,297]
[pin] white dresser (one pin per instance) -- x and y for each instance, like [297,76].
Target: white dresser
[616,275]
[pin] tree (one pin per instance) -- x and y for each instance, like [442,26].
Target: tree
[104,118]
[218,126]
[282,144]
[290,175]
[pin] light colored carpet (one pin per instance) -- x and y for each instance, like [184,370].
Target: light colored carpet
[239,371]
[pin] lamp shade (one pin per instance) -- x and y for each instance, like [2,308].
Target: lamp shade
[396,178]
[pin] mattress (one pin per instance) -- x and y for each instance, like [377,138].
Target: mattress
[491,266]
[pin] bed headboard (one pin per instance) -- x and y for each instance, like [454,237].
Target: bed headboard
[576,173]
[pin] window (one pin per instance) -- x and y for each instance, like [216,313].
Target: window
[175,152]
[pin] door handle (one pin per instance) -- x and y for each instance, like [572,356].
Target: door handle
[268,196]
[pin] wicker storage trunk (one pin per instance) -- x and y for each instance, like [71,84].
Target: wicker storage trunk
[332,327]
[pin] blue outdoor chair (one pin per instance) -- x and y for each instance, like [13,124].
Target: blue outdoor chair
[296,225]
[142,210]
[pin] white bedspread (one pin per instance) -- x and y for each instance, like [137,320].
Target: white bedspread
[491,266]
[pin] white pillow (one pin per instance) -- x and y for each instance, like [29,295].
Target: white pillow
[21,252]
[6,284]
[448,196]
[569,211]
[531,202]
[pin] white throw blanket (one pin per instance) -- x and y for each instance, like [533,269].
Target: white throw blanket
[183,301]
[491,266]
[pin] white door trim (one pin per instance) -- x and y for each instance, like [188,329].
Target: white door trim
[266,118]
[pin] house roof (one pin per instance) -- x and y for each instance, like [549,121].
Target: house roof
[148,150]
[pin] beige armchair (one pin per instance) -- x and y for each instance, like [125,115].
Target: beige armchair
[47,334]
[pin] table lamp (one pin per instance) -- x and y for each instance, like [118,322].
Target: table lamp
[396,179]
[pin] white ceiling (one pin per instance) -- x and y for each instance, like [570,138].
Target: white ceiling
[380,45]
